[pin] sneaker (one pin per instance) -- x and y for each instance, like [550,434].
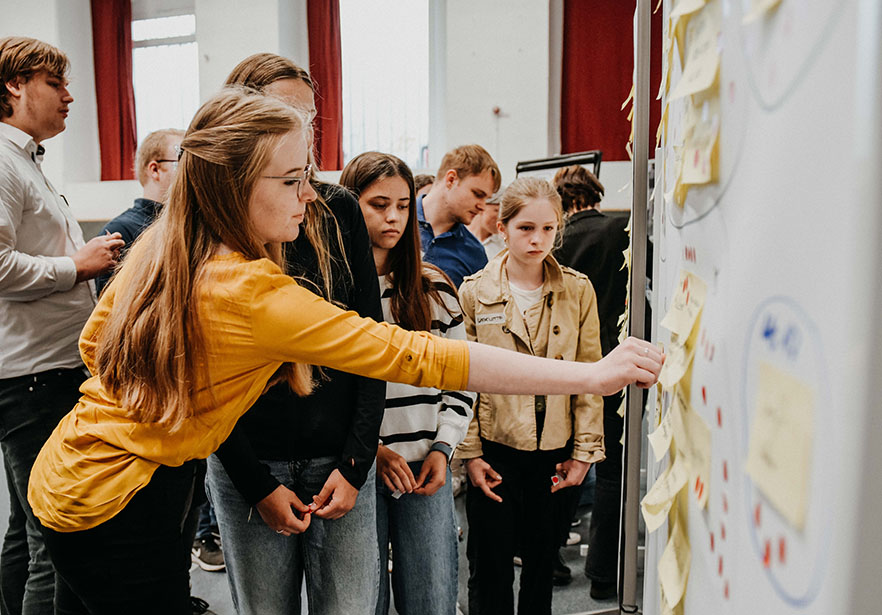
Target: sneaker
[207,554]
[576,522]
[573,539]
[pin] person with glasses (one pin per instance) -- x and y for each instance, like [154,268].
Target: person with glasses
[155,163]
[290,450]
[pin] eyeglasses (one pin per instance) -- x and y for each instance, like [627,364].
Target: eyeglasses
[174,163]
[290,181]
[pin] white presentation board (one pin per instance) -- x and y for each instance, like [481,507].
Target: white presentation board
[786,238]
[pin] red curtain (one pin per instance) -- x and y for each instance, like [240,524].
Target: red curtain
[326,70]
[598,67]
[112,52]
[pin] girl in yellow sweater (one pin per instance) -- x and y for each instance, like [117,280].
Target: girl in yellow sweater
[189,333]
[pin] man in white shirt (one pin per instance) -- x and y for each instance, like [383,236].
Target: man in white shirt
[46,296]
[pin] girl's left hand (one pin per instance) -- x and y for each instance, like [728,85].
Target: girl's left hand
[572,471]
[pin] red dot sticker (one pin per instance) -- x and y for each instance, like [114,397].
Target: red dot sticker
[720,566]
[722,531]
[725,471]
[725,504]
[712,540]
[704,394]
[782,550]
[726,590]
[767,554]
[719,417]
[756,516]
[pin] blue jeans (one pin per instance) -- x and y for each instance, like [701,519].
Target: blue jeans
[339,558]
[422,530]
[30,408]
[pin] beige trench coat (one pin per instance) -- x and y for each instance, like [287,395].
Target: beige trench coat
[564,325]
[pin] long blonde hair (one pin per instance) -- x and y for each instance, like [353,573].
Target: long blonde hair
[151,349]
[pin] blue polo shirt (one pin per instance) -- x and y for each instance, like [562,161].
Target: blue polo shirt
[457,252]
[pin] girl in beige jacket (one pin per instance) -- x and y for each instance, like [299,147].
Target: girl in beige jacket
[519,448]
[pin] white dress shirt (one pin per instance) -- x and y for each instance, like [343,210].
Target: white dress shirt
[42,308]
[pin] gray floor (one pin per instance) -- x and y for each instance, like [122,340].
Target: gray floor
[574,598]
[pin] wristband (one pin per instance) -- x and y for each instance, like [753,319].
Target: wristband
[443,447]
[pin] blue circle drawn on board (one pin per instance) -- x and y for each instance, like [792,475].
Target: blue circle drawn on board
[813,333]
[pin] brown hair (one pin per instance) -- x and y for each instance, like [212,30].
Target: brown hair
[578,187]
[257,72]
[422,180]
[153,148]
[469,160]
[520,190]
[21,58]
[412,290]
[152,347]
[262,69]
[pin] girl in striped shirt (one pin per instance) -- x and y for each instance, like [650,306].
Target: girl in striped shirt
[422,425]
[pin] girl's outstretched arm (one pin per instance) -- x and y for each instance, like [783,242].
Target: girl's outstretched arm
[495,370]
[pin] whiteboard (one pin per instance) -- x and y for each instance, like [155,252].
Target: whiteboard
[787,240]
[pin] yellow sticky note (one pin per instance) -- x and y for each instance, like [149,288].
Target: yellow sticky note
[693,438]
[679,358]
[663,604]
[759,8]
[673,567]
[658,500]
[686,304]
[701,137]
[630,96]
[779,456]
[702,52]
[660,439]
[685,7]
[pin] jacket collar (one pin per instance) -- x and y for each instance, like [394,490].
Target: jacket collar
[493,284]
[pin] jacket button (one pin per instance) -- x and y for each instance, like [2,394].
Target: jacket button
[505,329]
[409,357]
[555,329]
[559,357]
[550,300]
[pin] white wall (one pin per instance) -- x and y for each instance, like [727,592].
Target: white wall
[497,56]
[227,31]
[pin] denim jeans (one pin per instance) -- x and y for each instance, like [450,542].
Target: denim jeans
[422,530]
[138,561]
[339,558]
[30,408]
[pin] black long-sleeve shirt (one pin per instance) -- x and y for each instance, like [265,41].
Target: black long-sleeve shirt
[342,416]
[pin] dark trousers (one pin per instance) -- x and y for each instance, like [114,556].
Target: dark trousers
[30,408]
[137,562]
[525,518]
[603,534]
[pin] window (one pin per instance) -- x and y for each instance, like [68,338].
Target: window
[165,67]
[385,48]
